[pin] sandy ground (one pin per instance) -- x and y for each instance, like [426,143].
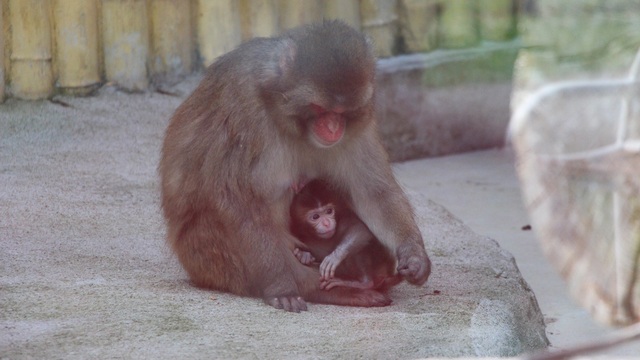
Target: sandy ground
[482,190]
[85,272]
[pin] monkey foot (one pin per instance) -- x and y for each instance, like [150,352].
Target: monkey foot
[288,303]
[328,284]
[370,298]
[348,296]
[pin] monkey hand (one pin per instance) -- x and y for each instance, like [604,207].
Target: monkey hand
[288,303]
[413,264]
[304,257]
[329,265]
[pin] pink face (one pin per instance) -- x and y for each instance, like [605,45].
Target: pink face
[329,127]
[323,220]
[330,123]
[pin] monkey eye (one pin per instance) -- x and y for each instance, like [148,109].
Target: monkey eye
[315,216]
[329,211]
[319,110]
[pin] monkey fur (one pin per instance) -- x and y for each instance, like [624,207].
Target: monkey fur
[351,256]
[265,116]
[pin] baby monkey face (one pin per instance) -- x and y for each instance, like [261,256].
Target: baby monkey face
[323,220]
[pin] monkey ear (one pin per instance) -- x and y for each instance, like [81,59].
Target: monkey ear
[281,64]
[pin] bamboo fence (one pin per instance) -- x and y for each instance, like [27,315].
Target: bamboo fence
[75,46]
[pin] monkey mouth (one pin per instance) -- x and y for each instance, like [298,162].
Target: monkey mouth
[327,235]
[328,128]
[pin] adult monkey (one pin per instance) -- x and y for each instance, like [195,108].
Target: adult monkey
[268,115]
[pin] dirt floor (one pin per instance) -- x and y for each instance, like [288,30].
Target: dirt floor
[85,271]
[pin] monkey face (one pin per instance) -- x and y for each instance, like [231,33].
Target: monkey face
[323,221]
[328,127]
[325,80]
[330,121]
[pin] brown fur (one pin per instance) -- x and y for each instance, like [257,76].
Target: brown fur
[236,145]
[354,253]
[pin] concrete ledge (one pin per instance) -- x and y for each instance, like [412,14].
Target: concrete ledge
[86,273]
[446,101]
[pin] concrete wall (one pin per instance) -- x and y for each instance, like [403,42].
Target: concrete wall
[446,101]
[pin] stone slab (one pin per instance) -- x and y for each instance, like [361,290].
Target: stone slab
[85,272]
[446,101]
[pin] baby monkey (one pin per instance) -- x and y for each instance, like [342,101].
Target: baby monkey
[349,254]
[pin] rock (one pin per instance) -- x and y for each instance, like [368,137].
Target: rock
[86,271]
[445,102]
[576,129]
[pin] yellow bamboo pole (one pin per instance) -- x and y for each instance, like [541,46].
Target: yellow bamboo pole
[258,18]
[380,22]
[76,50]
[346,10]
[218,28]
[171,40]
[497,19]
[459,24]
[101,66]
[31,72]
[126,43]
[419,24]
[2,80]
[296,12]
